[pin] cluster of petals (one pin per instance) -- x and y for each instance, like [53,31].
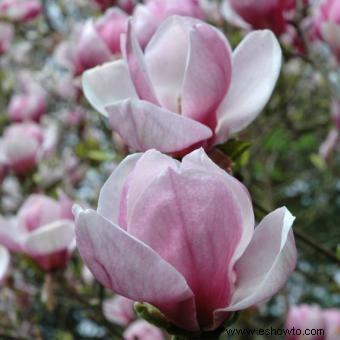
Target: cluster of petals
[187,89]
[43,229]
[22,145]
[259,14]
[20,10]
[189,231]
[312,317]
[327,24]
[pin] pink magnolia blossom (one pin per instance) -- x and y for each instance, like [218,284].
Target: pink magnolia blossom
[148,16]
[29,101]
[188,230]
[6,36]
[20,10]
[30,106]
[309,317]
[142,330]
[43,229]
[4,263]
[119,310]
[23,144]
[93,43]
[187,89]
[327,24]
[258,14]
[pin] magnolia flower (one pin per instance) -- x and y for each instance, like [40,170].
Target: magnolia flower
[305,317]
[258,14]
[119,310]
[4,263]
[327,24]
[148,16]
[6,36]
[188,230]
[29,101]
[23,144]
[188,89]
[93,43]
[142,330]
[43,229]
[31,104]
[20,10]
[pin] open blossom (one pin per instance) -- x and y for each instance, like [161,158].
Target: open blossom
[259,14]
[308,317]
[43,229]
[187,89]
[148,16]
[188,228]
[327,24]
[23,144]
[20,10]
[4,263]
[142,330]
[6,36]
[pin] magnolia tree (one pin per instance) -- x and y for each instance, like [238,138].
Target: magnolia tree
[168,169]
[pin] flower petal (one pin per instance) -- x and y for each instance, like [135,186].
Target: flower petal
[109,202]
[107,84]
[50,238]
[11,236]
[91,50]
[207,76]
[195,225]
[232,17]
[138,71]
[143,126]
[149,167]
[166,58]
[263,270]
[132,269]
[198,159]
[256,67]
